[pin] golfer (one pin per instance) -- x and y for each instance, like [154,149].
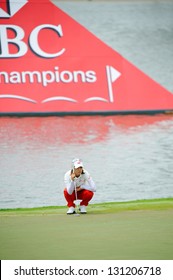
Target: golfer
[78,185]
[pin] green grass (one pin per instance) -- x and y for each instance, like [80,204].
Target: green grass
[101,208]
[114,231]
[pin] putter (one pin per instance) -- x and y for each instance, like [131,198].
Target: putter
[77,203]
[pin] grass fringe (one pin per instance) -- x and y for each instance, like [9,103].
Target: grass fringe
[100,208]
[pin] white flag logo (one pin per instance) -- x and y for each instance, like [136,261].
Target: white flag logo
[112,76]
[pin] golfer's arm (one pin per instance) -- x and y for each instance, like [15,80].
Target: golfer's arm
[90,186]
[69,185]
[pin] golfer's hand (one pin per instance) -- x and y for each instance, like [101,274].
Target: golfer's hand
[73,176]
[78,189]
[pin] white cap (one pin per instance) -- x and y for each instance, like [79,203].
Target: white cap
[77,163]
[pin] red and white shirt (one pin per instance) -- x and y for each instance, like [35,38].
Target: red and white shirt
[84,181]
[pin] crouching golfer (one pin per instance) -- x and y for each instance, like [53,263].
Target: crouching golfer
[78,185]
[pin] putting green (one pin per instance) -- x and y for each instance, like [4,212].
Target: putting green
[130,230]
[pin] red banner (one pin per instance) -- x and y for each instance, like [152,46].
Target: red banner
[49,63]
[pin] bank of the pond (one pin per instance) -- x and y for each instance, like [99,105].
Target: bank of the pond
[100,208]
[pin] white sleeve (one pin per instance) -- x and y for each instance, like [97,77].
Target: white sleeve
[90,184]
[69,184]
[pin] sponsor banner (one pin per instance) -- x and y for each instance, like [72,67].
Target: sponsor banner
[50,63]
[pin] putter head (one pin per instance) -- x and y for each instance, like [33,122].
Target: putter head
[76,214]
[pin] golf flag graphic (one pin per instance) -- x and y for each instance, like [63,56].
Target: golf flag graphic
[49,63]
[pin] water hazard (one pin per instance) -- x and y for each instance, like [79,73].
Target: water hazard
[129,157]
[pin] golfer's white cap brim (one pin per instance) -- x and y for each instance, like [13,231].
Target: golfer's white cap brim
[78,165]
